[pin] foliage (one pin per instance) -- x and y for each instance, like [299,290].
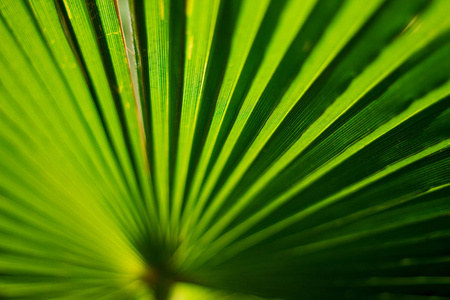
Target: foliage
[225,149]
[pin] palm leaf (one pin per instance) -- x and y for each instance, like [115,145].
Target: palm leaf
[233,149]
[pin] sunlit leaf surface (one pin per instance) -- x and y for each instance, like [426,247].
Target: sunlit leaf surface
[225,149]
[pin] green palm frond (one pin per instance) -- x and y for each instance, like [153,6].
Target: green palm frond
[225,149]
